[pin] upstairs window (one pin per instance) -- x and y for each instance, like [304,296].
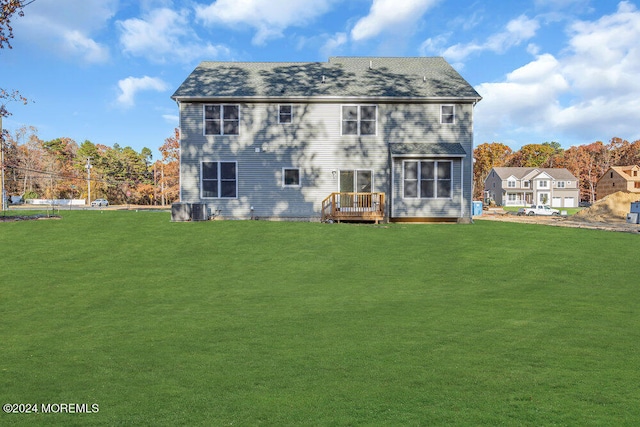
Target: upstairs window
[560,184]
[447,114]
[359,119]
[543,184]
[511,183]
[285,114]
[221,119]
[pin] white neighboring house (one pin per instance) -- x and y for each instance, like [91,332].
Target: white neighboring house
[526,186]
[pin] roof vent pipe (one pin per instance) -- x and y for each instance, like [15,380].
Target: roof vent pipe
[323,78]
[370,65]
[424,79]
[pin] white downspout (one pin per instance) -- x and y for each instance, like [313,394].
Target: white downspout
[462,188]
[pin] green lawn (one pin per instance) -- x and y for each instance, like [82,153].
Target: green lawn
[266,323]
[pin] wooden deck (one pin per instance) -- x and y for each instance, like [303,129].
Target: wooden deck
[353,207]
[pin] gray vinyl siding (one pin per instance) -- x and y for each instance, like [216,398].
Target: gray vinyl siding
[493,184]
[314,144]
[264,147]
[421,123]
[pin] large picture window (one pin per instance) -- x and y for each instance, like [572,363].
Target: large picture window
[427,179]
[221,119]
[219,180]
[359,119]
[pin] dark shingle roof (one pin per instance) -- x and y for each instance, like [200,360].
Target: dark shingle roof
[421,77]
[427,149]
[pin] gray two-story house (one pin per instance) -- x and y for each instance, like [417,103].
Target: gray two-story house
[353,138]
[522,186]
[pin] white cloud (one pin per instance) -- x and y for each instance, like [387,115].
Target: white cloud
[66,28]
[516,32]
[268,17]
[131,85]
[387,15]
[527,96]
[164,34]
[333,43]
[171,118]
[78,44]
[589,92]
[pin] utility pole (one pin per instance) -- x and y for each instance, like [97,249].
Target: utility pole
[155,184]
[88,166]
[4,201]
[162,184]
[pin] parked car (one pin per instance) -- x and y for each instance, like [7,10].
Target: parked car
[100,202]
[584,204]
[538,210]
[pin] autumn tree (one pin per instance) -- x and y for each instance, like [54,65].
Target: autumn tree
[167,170]
[121,175]
[25,163]
[61,153]
[534,156]
[487,156]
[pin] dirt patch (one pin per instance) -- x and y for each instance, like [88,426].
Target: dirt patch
[612,208]
[12,218]
[609,214]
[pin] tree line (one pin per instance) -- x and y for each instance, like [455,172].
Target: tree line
[586,162]
[63,169]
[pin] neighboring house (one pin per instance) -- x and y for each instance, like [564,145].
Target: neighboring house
[526,186]
[619,178]
[313,140]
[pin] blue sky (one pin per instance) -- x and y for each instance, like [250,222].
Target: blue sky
[548,70]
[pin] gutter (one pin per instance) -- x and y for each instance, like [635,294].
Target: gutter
[332,99]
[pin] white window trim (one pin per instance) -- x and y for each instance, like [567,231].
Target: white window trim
[285,105]
[358,119]
[454,114]
[418,178]
[204,120]
[219,180]
[511,183]
[299,184]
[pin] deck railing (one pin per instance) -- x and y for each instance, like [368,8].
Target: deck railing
[353,207]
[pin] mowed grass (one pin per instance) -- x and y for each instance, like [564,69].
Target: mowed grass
[266,323]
